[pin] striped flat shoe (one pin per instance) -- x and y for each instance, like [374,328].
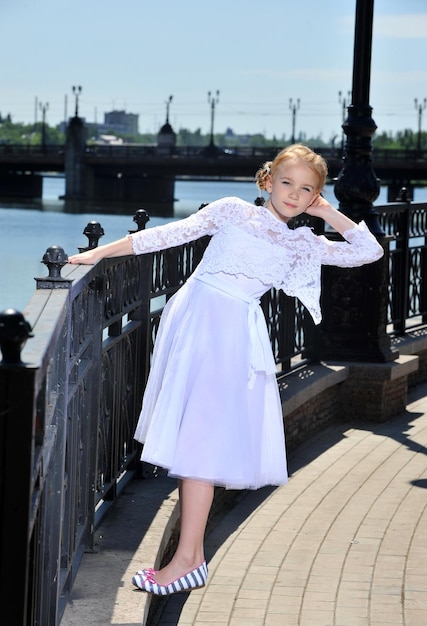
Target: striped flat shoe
[148,571]
[196,579]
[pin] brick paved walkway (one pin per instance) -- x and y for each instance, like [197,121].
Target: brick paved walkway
[343,544]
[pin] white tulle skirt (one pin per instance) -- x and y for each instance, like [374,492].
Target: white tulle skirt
[211,408]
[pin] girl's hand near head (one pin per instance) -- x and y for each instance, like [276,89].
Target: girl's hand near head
[324,209]
[319,207]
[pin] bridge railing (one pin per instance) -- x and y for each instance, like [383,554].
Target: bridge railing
[9,151]
[68,410]
[68,416]
[136,151]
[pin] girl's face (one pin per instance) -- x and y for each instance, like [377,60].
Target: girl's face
[292,189]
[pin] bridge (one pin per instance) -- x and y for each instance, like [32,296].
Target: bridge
[147,173]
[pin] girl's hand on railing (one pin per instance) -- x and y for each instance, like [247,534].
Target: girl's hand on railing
[120,247]
[85,258]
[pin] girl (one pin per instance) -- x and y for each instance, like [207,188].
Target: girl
[211,413]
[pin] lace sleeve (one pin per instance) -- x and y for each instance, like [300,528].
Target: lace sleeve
[359,248]
[206,221]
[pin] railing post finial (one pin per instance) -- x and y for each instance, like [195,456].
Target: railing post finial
[404,195]
[54,258]
[93,232]
[141,218]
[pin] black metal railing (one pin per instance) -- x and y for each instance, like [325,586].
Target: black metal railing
[406,223]
[68,410]
[87,361]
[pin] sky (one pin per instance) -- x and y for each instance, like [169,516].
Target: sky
[133,55]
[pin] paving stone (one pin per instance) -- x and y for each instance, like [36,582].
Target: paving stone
[343,544]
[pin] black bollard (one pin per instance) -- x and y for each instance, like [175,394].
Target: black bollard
[141,218]
[14,332]
[403,195]
[93,232]
[54,258]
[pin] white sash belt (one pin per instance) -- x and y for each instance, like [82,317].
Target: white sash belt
[261,356]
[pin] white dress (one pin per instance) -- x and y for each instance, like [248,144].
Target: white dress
[211,408]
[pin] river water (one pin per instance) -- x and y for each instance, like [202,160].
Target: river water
[27,229]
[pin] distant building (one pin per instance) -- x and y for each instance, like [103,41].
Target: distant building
[121,122]
[115,122]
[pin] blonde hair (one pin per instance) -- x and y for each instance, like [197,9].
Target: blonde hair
[295,152]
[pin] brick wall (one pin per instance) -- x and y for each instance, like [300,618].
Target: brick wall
[420,375]
[314,414]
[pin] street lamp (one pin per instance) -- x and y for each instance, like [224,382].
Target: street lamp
[294,108]
[168,102]
[43,109]
[213,101]
[77,90]
[420,108]
[344,102]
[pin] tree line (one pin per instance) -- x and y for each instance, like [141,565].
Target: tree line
[32,135]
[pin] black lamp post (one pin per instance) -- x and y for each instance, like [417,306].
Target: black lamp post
[344,103]
[294,107]
[355,309]
[43,109]
[357,186]
[168,103]
[213,101]
[420,106]
[76,180]
[77,90]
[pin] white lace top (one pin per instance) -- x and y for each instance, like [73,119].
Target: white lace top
[249,241]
